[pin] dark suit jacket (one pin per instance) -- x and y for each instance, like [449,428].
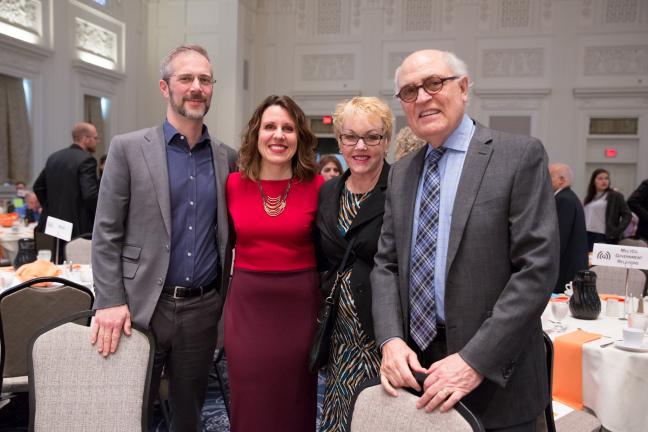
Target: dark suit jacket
[573,237]
[638,203]
[365,228]
[502,263]
[67,189]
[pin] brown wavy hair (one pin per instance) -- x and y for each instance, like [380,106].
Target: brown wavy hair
[304,166]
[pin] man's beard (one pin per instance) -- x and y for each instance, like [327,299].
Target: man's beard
[181,109]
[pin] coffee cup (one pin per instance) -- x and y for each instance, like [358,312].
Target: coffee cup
[633,337]
[638,321]
[612,308]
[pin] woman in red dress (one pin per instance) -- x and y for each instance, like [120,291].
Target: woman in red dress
[271,307]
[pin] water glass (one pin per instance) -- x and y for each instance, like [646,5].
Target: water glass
[45,255]
[559,310]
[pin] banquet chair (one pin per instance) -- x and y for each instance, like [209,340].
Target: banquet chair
[78,250]
[575,420]
[74,388]
[611,280]
[633,242]
[25,309]
[372,409]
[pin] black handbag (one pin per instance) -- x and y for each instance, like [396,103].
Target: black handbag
[319,350]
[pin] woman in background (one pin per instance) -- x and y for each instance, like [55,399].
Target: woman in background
[329,166]
[271,308]
[606,211]
[407,142]
[352,207]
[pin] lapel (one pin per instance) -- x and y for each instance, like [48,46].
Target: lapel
[411,173]
[329,208]
[477,158]
[374,206]
[154,151]
[221,171]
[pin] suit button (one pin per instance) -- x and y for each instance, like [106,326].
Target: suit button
[159,281]
[166,248]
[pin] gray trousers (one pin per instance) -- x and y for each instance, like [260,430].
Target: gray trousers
[185,333]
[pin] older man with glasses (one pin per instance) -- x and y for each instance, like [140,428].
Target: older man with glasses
[467,257]
[161,250]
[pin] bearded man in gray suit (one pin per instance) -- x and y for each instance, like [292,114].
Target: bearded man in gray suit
[161,249]
[467,257]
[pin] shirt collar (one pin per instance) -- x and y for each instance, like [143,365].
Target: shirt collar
[459,139]
[170,132]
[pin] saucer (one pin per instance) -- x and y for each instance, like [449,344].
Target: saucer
[621,345]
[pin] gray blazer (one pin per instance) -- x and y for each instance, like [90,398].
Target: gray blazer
[132,230]
[501,268]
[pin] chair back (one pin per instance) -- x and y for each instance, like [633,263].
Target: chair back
[73,388]
[373,409]
[612,280]
[633,242]
[549,351]
[25,309]
[78,250]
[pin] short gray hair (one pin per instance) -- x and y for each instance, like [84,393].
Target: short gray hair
[456,65]
[165,67]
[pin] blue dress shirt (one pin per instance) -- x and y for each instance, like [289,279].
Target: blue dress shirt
[192,187]
[450,167]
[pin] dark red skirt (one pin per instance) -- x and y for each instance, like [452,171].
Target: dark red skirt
[269,325]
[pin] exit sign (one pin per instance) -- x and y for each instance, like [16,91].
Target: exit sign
[610,153]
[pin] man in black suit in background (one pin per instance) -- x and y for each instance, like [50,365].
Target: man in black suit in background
[67,188]
[571,224]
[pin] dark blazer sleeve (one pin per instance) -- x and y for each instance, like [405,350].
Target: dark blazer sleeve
[638,202]
[566,215]
[88,182]
[40,188]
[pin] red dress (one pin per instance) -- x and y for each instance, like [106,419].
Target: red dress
[271,308]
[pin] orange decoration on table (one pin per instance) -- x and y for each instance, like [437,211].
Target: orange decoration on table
[568,367]
[7,219]
[38,268]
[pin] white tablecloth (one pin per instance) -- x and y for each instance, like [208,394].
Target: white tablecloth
[81,275]
[9,239]
[615,382]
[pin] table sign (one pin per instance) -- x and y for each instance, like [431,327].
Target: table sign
[627,257]
[620,256]
[58,228]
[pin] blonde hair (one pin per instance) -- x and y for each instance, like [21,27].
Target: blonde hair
[407,142]
[367,105]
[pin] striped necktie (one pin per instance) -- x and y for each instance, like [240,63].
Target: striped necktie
[422,305]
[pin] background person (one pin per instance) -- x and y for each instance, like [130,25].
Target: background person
[272,304]
[606,212]
[407,142]
[571,225]
[161,250]
[67,188]
[352,206]
[329,166]
[638,203]
[467,257]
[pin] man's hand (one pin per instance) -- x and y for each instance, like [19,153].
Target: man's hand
[448,381]
[398,362]
[107,328]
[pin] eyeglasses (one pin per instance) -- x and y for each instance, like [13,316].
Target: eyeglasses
[188,79]
[432,85]
[371,139]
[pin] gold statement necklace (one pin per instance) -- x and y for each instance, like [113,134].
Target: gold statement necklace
[274,206]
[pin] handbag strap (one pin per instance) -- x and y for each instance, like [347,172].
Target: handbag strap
[340,271]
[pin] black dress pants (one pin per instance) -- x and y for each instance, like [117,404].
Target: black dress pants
[185,333]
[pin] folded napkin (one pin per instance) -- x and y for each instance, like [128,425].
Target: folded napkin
[38,268]
[568,367]
[606,297]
